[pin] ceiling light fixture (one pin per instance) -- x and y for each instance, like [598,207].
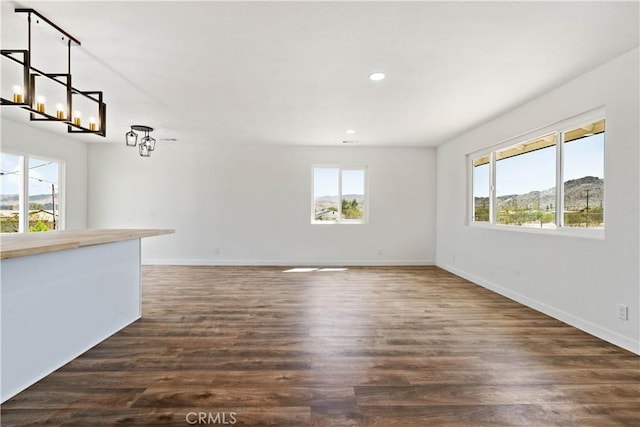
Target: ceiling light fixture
[377,76]
[147,143]
[27,97]
[350,131]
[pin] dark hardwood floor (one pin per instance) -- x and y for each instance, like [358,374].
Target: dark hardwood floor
[388,346]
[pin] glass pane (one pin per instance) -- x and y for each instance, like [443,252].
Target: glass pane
[525,184]
[43,195]
[481,191]
[10,182]
[584,178]
[325,194]
[353,194]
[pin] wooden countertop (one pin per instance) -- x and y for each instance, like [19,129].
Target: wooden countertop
[14,245]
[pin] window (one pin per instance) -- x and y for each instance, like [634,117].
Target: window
[583,180]
[525,183]
[516,184]
[339,195]
[30,194]
[11,198]
[481,189]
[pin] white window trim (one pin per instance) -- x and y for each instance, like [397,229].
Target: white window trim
[365,207]
[23,225]
[559,128]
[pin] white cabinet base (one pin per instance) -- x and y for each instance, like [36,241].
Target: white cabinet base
[56,306]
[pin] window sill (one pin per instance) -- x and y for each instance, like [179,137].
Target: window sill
[584,233]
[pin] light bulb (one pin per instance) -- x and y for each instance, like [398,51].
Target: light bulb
[40,102]
[92,123]
[77,118]
[18,94]
[60,111]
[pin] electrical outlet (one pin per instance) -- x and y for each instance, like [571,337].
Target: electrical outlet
[623,312]
[380,251]
[216,251]
[453,259]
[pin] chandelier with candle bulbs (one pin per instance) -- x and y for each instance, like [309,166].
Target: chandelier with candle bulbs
[29,94]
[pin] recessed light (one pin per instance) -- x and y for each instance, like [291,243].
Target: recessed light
[377,76]
[350,131]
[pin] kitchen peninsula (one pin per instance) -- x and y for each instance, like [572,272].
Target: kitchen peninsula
[62,292]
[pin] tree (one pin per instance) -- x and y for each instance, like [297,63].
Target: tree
[481,209]
[40,226]
[350,209]
[9,224]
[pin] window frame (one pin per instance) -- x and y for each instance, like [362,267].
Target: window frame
[559,128]
[340,220]
[23,224]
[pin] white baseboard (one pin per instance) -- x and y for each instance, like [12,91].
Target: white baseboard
[292,263]
[584,325]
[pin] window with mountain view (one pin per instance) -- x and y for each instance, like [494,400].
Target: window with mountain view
[11,198]
[30,194]
[339,195]
[525,183]
[531,188]
[583,178]
[481,189]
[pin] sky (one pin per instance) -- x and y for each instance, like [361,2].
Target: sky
[41,173]
[536,170]
[325,182]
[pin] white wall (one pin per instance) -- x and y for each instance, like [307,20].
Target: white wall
[579,281]
[254,203]
[33,138]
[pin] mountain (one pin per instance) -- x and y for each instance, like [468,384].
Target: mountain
[575,196]
[10,201]
[575,193]
[358,197]
[9,198]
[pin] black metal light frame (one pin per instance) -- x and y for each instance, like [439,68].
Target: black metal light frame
[147,143]
[30,74]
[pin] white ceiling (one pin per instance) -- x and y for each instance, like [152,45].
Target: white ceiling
[296,72]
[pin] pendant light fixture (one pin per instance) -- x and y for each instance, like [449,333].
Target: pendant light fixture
[27,96]
[147,143]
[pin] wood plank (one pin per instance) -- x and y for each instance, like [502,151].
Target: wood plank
[458,394]
[249,417]
[229,397]
[548,415]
